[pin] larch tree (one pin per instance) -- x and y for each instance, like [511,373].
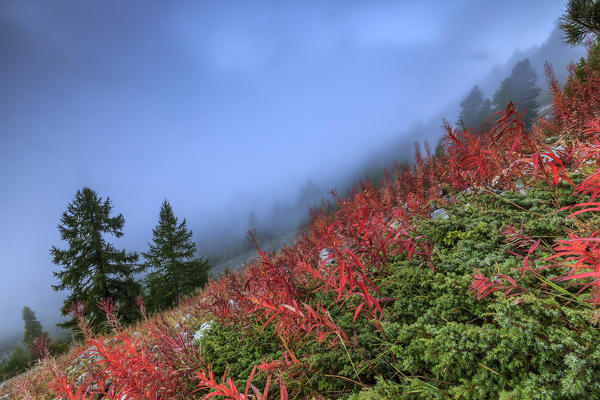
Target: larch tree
[174,270]
[93,269]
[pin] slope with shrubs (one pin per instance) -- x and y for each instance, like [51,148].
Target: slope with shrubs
[472,275]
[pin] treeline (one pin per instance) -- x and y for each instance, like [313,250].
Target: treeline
[97,275]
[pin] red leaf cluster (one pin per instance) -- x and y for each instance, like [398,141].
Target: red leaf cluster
[582,257]
[228,389]
[483,286]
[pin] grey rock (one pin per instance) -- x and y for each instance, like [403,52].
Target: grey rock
[522,188]
[201,330]
[440,213]
[323,254]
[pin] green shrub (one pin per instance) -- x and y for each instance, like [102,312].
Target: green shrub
[227,346]
[436,340]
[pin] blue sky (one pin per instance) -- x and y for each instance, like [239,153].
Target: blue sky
[220,107]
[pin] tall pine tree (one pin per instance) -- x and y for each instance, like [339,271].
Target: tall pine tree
[520,88]
[174,269]
[93,269]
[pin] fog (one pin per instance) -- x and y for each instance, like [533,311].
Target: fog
[226,109]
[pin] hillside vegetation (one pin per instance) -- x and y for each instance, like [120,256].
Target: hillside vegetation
[472,274]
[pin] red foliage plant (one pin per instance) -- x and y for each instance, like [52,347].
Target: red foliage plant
[62,387]
[40,346]
[577,103]
[108,307]
[483,286]
[139,301]
[228,389]
[133,372]
[77,311]
[582,257]
[523,243]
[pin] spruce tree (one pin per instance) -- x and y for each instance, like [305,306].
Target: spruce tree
[93,269]
[520,88]
[472,109]
[33,328]
[174,269]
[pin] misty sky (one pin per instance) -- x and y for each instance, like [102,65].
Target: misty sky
[220,107]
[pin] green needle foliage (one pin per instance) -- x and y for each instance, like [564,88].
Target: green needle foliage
[175,271]
[581,21]
[93,269]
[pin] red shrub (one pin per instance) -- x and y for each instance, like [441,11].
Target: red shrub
[133,372]
[228,389]
[582,257]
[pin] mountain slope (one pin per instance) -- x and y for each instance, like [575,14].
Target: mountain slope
[474,274]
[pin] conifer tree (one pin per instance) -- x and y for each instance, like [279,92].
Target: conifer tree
[581,21]
[520,88]
[93,269]
[175,271]
[581,25]
[33,327]
[486,112]
[472,108]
